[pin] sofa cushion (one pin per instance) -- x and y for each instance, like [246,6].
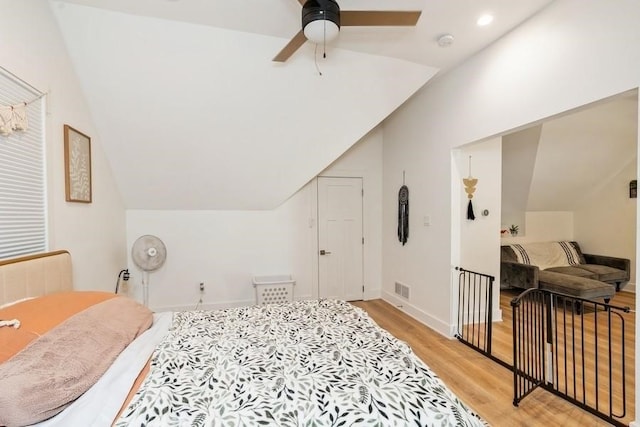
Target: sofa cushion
[605,273]
[516,275]
[580,287]
[575,271]
[507,254]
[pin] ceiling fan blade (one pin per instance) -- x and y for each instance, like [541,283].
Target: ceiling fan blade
[362,18]
[295,43]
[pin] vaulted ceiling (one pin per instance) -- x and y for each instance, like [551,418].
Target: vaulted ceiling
[558,164]
[193,114]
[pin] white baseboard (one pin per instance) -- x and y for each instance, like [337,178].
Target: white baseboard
[630,287]
[422,317]
[633,424]
[216,306]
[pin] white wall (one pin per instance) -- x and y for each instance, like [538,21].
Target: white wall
[605,224]
[519,151]
[484,231]
[475,236]
[543,227]
[31,47]
[225,249]
[564,57]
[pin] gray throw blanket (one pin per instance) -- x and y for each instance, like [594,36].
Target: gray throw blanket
[55,369]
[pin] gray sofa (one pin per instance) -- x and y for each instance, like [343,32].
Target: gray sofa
[590,276]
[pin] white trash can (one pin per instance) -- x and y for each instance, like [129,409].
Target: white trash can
[273,289]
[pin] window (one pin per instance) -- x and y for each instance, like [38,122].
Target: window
[23,219]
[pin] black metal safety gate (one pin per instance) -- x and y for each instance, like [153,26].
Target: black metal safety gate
[572,347]
[475,312]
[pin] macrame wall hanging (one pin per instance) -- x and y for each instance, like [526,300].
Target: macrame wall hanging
[470,188]
[403,213]
[13,118]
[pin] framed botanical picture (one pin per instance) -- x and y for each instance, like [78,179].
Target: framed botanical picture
[77,165]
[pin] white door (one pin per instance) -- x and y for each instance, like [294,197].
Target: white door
[340,238]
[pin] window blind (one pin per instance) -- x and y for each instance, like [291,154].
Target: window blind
[23,219]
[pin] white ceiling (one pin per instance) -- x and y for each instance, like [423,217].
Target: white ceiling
[281,18]
[193,114]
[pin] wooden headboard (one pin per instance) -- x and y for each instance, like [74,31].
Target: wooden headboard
[35,275]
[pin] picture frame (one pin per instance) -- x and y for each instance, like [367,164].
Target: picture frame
[77,166]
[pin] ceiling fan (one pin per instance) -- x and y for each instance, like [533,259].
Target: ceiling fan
[322,19]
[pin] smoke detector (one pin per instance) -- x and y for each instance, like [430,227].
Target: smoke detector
[445,40]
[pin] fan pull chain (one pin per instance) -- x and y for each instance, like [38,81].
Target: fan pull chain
[315,58]
[324,38]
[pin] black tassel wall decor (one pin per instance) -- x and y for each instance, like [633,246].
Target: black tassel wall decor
[470,214]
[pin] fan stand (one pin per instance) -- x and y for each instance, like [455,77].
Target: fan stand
[148,254]
[145,288]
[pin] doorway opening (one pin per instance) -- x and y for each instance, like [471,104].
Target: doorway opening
[564,178]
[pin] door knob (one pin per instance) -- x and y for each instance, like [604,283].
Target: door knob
[323,252]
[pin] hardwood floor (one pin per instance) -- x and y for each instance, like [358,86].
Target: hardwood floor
[485,385]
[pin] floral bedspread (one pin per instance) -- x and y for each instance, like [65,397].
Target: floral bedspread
[307,363]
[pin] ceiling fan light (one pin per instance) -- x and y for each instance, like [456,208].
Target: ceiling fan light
[321,31]
[321,20]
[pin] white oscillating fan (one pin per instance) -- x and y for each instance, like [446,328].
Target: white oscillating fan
[148,254]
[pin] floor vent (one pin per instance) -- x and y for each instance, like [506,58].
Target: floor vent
[402,290]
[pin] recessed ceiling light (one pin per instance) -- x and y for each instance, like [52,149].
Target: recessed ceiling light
[485,19]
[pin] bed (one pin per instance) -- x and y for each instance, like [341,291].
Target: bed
[114,362]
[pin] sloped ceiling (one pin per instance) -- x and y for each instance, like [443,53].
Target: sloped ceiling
[577,154]
[581,152]
[193,114]
[519,152]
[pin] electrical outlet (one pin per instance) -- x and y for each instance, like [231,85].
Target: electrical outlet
[201,286]
[121,282]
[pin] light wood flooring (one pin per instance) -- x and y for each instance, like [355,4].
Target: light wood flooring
[486,386]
